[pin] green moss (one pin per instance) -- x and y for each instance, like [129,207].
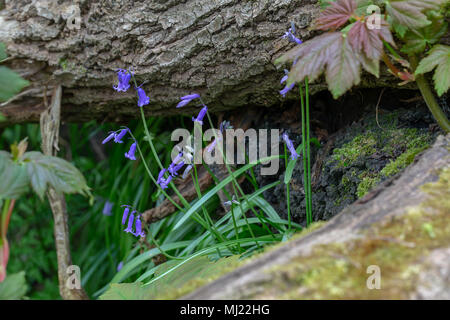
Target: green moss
[397,245]
[361,145]
[367,184]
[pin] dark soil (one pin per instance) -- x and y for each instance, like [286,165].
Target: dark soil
[356,153]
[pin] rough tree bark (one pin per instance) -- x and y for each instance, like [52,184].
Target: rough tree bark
[400,218]
[223,49]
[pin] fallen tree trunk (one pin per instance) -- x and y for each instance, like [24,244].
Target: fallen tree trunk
[402,228]
[222,49]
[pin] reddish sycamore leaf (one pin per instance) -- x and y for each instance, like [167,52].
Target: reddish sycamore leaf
[330,52]
[438,57]
[369,41]
[335,15]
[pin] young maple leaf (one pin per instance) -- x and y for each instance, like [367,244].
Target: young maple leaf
[439,58]
[369,41]
[336,15]
[330,52]
[410,13]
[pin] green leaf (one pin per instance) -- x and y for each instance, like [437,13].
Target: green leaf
[47,171]
[193,269]
[417,41]
[411,13]
[10,83]
[13,287]
[13,176]
[3,54]
[439,58]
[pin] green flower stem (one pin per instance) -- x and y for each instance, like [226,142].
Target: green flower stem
[428,96]
[288,196]
[305,173]
[308,148]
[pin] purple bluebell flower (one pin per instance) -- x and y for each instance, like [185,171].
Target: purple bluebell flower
[107,208]
[161,176]
[173,168]
[143,99]
[285,77]
[186,171]
[118,137]
[186,99]
[120,266]
[130,154]
[139,231]
[164,183]
[290,35]
[124,78]
[125,214]
[287,89]
[130,223]
[290,146]
[109,138]
[212,146]
[201,115]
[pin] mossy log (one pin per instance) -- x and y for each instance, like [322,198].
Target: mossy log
[222,49]
[402,227]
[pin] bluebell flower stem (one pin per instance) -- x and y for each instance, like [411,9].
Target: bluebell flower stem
[308,148]
[305,162]
[288,197]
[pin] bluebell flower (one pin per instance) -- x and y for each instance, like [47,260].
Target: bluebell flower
[186,99]
[290,35]
[120,266]
[287,89]
[290,146]
[142,98]
[130,154]
[125,214]
[285,77]
[124,78]
[173,168]
[130,223]
[212,146]
[164,183]
[118,137]
[201,115]
[161,176]
[139,231]
[107,208]
[186,171]
[109,138]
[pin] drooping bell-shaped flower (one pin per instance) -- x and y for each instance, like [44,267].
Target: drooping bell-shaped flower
[173,168]
[125,214]
[118,137]
[120,266]
[201,115]
[290,146]
[109,138]
[130,223]
[130,154]
[164,183]
[107,208]
[186,171]
[143,99]
[124,78]
[186,99]
[287,89]
[290,35]
[161,176]
[139,231]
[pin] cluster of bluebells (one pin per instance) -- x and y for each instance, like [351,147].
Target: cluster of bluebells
[133,218]
[118,136]
[124,78]
[183,157]
[290,36]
